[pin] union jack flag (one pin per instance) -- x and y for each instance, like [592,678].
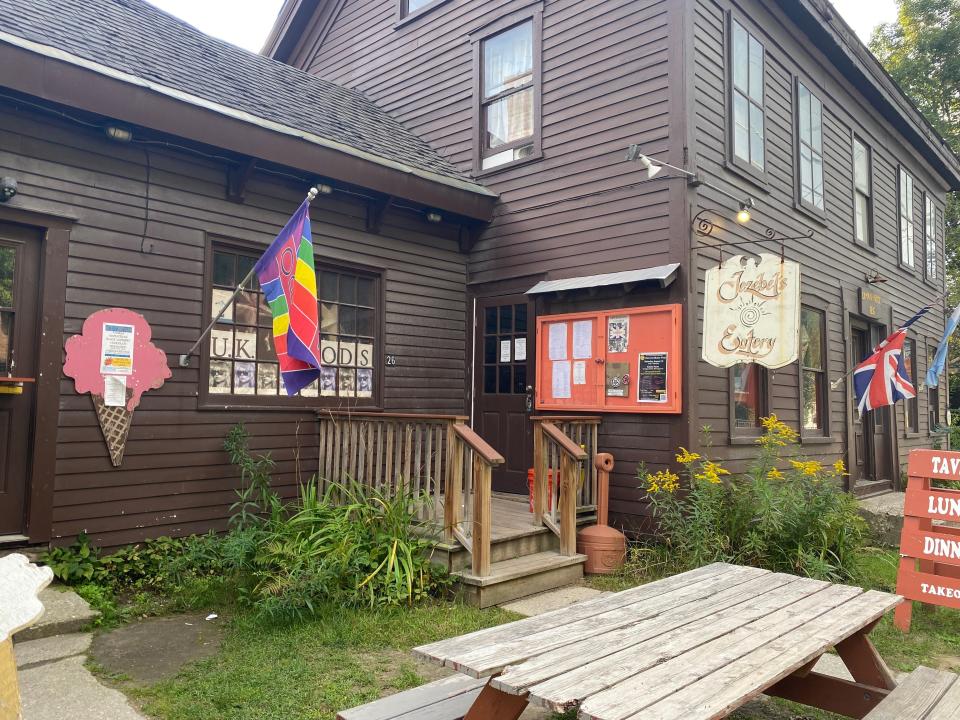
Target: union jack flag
[882,378]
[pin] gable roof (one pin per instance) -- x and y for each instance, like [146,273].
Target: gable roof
[133,41]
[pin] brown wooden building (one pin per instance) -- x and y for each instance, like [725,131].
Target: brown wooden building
[474,152]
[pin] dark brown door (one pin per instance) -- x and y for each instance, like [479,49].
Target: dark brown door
[872,471]
[503,378]
[19,281]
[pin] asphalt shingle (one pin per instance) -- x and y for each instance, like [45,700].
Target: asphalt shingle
[137,38]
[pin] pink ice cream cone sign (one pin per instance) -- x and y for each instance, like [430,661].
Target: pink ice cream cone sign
[114,360]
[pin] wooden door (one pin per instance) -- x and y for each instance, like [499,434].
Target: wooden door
[872,466]
[503,380]
[19,293]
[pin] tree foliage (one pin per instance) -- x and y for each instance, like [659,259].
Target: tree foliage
[921,51]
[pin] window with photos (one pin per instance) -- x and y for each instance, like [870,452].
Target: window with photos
[747,73]
[508,95]
[748,392]
[862,193]
[810,132]
[241,358]
[930,237]
[905,196]
[813,372]
[933,393]
[911,406]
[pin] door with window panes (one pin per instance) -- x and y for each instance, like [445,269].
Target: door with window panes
[503,373]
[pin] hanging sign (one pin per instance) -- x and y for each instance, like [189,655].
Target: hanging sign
[929,554]
[752,312]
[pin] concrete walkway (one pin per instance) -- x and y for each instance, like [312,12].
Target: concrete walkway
[55,685]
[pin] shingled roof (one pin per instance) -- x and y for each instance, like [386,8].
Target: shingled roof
[137,39]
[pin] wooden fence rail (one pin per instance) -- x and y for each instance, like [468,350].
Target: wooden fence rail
[559,471]
[436,457]
[582,430]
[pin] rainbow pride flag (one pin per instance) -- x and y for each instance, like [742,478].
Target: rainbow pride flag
[289,283]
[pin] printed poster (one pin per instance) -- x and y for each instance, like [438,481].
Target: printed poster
[116,349]
[557,349]
[221,298]
[579,372]
[582,339]
[618,379]
[328,381]
[618,334]
[561,379]
[114,390]
[505,348]
[652,377]
[364,383]
[520,349]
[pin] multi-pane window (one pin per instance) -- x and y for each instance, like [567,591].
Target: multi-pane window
[933,393]
[242,358]
[749,401]
[747,96]
[813,376]
[810,131]
[411,6]
[930,236]
[911,406]
[862,193]
[8,266]
[505,350]
[508,96]
[906,217]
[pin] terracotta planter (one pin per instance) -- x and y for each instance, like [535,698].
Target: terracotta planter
[604,547]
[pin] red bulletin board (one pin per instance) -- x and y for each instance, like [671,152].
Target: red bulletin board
[580,356]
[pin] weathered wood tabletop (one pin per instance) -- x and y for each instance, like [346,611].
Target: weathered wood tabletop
[695,646]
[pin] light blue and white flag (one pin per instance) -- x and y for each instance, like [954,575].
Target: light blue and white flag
[940,360]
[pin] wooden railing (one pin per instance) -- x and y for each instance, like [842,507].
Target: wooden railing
[437,457]
[558,462]
[582,431]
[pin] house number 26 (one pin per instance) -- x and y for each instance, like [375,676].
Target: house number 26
[391,360]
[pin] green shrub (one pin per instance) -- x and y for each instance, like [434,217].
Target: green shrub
[74,564]
[784,515]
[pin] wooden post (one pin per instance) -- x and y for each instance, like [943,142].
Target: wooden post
[482,520]
[569,475]
[539,475]
[453,484]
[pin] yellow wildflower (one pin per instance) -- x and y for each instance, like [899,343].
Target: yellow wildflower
[662,480]
[711,473]
[839,468]
[807,467]
[776,433]
[685,457]
[774,474]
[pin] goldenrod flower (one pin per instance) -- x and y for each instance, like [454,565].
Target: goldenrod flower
[662,480]
[711,473]
[685,457]
[774,474]
[839,468]
[807,467]
[776,432]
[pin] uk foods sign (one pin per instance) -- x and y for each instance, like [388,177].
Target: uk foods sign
[752,312]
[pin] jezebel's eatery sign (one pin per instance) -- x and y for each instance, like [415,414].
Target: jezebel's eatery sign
[752,312]
[930,554]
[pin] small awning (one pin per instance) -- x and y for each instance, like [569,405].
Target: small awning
[663,275]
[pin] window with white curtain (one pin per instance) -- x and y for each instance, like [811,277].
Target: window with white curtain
[508,95]
[906,218]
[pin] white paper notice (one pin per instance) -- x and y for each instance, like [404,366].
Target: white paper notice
[519,349]
[558,342]
[116,349]
[561,379]
[114,390]
[505,350]
[583,339]
[580,372]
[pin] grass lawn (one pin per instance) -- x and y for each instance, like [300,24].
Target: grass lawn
[309,670]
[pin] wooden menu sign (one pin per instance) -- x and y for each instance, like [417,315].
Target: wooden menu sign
[929,554]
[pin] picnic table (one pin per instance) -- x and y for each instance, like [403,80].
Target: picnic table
[695,646]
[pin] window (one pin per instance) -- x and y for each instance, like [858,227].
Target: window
[910,406]
[906,218]
[505,350]
[748,398]
[509,95]
[810,134]
[930,237]
[241,360]
[933,393]
[813,375]
[411,6]
[8,269]
[862,193]
[747,64]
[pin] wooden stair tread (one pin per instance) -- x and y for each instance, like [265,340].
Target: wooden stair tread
[523,566]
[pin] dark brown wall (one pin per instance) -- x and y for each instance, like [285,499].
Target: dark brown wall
[175,478]
[831,262]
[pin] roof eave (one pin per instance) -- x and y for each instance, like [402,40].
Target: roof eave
[288,27]
[48,73]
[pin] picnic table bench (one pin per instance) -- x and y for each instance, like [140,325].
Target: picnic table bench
[695,646]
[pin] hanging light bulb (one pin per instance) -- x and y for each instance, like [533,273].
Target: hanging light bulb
[743,216]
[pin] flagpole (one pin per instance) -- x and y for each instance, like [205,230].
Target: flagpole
[185,358]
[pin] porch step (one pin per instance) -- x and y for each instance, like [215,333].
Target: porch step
[64,612]
[521,576]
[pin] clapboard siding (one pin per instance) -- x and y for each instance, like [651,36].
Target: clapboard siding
[830,262]
[175,477]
